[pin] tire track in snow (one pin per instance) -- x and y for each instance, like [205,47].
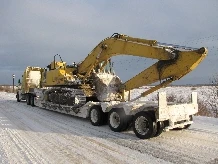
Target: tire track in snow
[47,144]
[75,135]
[113,155]
[15,145]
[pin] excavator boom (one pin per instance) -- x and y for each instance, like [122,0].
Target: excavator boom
[173,62]
[121,44]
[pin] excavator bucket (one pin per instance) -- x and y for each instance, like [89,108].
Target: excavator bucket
[107,86]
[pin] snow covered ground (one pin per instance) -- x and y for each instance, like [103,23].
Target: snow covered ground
[34,135]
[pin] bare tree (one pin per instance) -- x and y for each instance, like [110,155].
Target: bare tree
[214,103]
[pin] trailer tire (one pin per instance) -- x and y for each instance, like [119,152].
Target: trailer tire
[160,128]
[32,101]
[97,116]
[143,126]
[28,99]
[117,120]
[18,97]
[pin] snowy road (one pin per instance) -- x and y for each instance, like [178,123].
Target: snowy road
[33,135]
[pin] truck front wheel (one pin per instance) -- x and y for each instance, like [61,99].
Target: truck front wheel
[117,120]
[18,97]
[32,101]
[28,99]
[143,126]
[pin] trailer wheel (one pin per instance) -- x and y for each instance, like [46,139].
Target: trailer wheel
[32,101]
[28,99]
[117,120]
[97,116]
[18,97]
[160,128]
[143,126]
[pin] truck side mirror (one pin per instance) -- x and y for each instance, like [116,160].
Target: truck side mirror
[19,81]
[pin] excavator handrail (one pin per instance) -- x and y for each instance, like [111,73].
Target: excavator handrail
[175,46]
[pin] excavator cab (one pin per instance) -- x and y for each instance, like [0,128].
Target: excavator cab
[56,65]
[59,74]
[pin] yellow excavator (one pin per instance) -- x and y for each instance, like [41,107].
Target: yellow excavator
[91,88]
[173,64]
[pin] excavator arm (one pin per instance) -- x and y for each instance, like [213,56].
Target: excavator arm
[173,69]
[173,63]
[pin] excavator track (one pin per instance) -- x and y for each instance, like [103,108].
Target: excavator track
[66,99]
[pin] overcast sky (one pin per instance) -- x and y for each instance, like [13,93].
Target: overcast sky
[33,31]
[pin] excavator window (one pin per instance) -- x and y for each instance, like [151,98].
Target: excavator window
[49,67]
